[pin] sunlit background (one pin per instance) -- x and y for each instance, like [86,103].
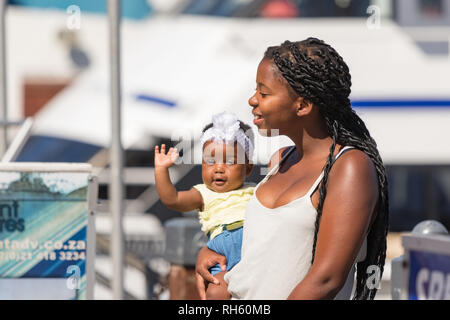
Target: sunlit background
[183,61]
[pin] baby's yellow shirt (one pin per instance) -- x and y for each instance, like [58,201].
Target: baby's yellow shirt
[222,208]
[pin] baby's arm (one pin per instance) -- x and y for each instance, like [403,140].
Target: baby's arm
[176,200]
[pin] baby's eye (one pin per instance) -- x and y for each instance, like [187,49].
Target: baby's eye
[230,161]
[210,161]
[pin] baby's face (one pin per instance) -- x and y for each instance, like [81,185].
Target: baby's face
[223,169]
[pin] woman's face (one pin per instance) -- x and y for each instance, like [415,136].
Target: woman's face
[274,108]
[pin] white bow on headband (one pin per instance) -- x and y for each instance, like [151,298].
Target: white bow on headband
[226,128]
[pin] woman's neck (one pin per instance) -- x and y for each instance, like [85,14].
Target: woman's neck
[311,148]
[312,143]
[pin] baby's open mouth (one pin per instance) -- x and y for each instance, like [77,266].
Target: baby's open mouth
[219,181]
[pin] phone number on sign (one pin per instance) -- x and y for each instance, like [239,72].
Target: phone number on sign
[32,245]
[52,256]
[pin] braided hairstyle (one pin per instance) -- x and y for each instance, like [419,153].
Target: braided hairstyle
[317,73]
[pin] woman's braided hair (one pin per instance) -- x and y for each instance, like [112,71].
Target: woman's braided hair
[317,73]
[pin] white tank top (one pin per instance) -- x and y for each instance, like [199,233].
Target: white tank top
[277,248]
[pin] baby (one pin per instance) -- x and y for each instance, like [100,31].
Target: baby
[222,198]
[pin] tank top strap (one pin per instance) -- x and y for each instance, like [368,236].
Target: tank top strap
[342,151]
[316,183]
[314,186]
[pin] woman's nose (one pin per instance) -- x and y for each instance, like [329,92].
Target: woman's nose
[253,101]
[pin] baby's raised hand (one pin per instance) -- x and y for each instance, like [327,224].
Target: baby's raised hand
[165,160]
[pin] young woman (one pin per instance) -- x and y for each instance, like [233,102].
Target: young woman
[323,207]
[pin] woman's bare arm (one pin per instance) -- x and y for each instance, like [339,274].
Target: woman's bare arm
[352,193]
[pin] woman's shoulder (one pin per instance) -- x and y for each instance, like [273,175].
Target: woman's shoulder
[353,158]
[353,164]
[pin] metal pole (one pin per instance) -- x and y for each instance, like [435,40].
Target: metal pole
[116,153]
[19,141]
[3,96]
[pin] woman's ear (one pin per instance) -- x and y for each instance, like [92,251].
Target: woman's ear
[303,106]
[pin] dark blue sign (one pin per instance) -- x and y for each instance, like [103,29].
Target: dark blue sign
[429,276]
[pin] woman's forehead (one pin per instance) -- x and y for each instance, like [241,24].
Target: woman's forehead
[268,74]
[266,66]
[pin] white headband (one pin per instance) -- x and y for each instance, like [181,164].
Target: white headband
[226,128]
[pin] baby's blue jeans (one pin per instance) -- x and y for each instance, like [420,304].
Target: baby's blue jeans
[229,244]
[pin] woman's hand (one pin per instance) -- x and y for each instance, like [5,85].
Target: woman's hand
[206,259]
[165,160]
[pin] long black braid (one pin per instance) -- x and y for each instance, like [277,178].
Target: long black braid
[317,73]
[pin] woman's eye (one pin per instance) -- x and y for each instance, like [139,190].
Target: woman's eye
[263,95]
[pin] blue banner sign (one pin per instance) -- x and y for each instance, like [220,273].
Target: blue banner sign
[429,276]
[43,234]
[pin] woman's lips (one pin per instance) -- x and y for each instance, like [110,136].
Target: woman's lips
[258,119]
